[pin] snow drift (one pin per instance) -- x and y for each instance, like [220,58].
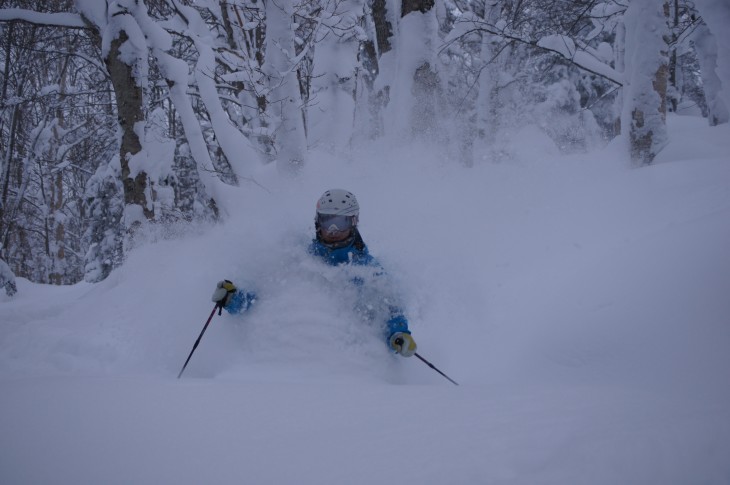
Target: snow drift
[581,305]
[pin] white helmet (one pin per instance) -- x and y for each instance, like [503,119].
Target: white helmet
[336,219]
[338,202]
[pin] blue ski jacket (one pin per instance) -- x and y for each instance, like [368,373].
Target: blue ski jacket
[354,253]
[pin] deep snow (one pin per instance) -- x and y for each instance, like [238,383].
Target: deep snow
[582,306]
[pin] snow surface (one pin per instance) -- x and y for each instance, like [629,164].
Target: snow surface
[582,306]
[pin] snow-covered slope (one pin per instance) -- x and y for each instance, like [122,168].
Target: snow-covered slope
[582,306]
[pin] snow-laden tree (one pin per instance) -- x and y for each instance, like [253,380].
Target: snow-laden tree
[375,32]
[124,35]
[105,234]
[127,113]
[524,63]
[707,55]
[52,131]
[236,149]
[280,71]
[569,62]
[131,40]
[408,69]
[645,79]
[334,39]
[716,55]
[189,81]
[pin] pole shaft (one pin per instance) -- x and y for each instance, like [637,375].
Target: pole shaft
[195,346]
[434,368]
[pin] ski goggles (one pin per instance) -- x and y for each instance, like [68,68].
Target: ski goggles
[334,224]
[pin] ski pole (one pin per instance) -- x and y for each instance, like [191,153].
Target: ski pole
[434,368]
[198,341]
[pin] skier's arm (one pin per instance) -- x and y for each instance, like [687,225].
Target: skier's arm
[397,323]
[397,335]
[399,338]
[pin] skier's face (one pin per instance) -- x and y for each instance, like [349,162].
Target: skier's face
[335,228]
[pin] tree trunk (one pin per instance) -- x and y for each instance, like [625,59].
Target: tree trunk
[129,108]
[383,28]
[707,55]
[425,88]
[716,14]
[645,95]
[673,98]
[7,152]
[6,220]
[286,100]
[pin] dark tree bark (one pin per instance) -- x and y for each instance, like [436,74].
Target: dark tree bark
[423,6]
[383,28]
[129,109]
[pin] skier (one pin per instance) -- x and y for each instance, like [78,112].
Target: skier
[338,243]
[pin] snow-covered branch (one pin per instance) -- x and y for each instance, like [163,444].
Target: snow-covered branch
[562,45]
[566,48]
[59,19]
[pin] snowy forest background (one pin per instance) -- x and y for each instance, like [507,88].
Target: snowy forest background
[120,117]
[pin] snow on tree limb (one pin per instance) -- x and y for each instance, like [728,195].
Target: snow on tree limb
[561,45]
[235,145]
[60,19]
[566,48]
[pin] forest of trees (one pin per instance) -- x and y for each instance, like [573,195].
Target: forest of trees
[117,114]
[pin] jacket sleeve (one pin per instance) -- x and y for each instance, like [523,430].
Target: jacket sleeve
[397,323]
[240,302]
